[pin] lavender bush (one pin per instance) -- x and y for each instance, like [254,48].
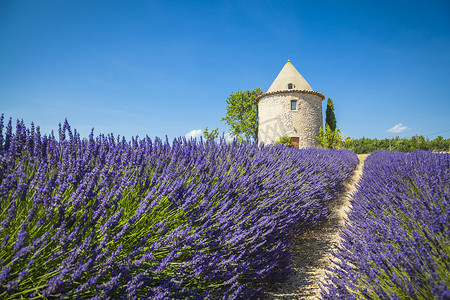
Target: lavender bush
[105,218]
[396,243]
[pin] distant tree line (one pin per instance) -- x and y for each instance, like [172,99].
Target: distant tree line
[366,145]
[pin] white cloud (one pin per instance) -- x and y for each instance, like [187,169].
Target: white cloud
[196,133]
[228,137]
[398,128]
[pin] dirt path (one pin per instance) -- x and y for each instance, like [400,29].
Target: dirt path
[310,249]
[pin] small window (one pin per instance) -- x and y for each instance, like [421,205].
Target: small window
[290,86]
[293,104]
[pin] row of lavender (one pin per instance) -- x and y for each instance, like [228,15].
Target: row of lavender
[106,218]
[396,244]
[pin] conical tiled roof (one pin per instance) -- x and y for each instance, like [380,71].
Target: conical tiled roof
[289,75]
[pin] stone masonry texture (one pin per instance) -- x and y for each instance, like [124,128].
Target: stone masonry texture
[276,119]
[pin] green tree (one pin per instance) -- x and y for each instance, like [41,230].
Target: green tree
[330,117]
[438,144]
[210,136]
[242,113]
[422,143]
[413,143]
[402,145]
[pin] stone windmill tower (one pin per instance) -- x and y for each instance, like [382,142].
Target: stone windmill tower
[290,108]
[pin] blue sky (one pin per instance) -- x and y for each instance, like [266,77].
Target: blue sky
[161,68]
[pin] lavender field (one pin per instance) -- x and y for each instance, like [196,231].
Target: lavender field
[102,217]
[397,242]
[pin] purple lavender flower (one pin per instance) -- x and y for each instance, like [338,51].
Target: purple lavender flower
[105,218]
[396,244]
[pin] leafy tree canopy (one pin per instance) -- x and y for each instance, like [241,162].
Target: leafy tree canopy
[242,113]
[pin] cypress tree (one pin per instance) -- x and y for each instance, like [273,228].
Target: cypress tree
[330,118]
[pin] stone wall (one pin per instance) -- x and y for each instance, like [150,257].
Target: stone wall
[276,118]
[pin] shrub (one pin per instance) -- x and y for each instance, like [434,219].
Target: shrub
[285,141]
[330,139]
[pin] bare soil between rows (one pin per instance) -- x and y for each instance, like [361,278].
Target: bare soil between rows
[310,249]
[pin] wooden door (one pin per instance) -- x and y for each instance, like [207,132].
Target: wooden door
[295,142]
